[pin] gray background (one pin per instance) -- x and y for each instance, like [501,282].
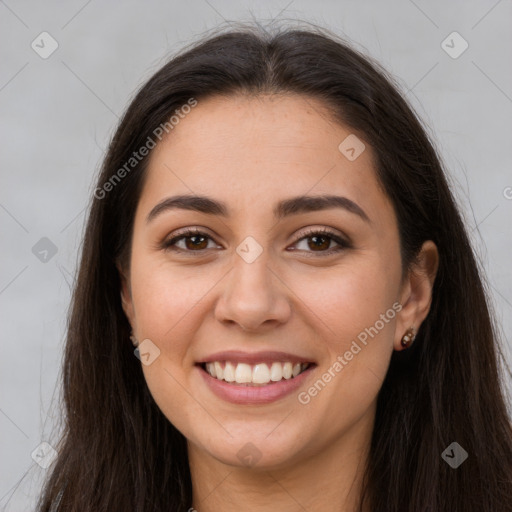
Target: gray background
[58,114]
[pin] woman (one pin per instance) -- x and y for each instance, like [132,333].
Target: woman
[274,232]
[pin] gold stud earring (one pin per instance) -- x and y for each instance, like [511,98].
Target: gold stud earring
[408,338]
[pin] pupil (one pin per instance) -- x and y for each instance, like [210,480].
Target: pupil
[196,240]
[317,238]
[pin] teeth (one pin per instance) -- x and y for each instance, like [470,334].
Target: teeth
[219,372]
[243,373]
[229,372]
[276,372]
[210,368]
[287,370]
[260,374]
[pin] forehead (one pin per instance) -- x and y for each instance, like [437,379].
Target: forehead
[250,151]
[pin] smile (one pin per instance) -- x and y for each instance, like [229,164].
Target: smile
[260,374]
[256,378]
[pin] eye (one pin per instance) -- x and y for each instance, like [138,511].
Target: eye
[194,240]
[321,241]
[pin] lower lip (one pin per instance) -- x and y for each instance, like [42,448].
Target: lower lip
[251,395]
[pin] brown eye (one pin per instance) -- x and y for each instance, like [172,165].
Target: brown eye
[319,241]
[193,241]
[316,241]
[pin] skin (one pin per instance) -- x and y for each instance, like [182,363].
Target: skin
[250,153]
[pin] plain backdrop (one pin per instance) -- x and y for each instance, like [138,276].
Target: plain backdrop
[58,114]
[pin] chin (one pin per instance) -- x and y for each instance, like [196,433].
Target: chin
[258,451]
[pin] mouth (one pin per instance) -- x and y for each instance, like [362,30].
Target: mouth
[257,375]
[253,379]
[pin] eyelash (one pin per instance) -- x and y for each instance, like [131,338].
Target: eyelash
[169,245]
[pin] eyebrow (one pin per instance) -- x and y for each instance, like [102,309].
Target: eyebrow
[285,208]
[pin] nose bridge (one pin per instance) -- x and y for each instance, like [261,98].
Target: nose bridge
[252,278]
[253,294]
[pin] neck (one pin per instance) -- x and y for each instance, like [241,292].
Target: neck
[328,480]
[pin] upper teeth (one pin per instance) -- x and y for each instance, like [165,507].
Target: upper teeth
[260,373]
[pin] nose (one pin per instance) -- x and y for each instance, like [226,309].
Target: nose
[254,297]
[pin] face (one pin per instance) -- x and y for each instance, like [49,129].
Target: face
[261,292]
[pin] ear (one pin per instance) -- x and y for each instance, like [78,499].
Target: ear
[416,291]
[126,295]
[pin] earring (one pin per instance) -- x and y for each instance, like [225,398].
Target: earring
[408,338]
[134,340]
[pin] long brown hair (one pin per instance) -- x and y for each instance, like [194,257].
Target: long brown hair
[118,452]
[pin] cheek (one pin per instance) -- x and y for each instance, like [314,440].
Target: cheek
[165,298]
[355,311]
[169,312]
[348,299]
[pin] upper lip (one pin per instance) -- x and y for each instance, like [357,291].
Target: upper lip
[268,356]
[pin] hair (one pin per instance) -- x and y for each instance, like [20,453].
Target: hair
[118,451]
